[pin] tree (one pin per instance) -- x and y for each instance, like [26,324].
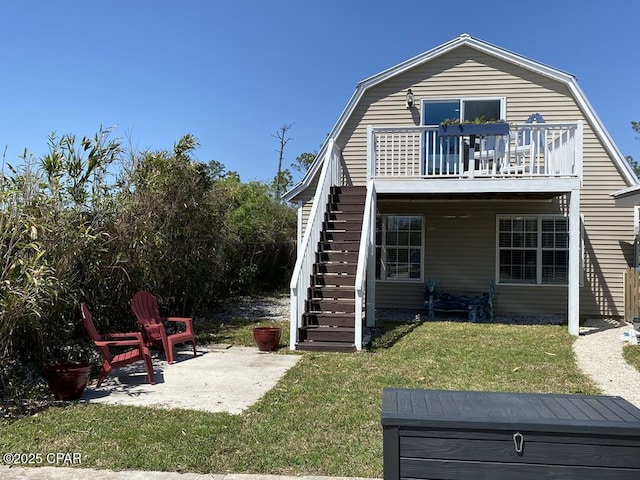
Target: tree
[282,182]
[169,229]
[303,162]
[634,164]
[283,139]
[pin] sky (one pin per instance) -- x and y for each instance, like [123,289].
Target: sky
[234,72]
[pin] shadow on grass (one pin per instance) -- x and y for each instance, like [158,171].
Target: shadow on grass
[386,333]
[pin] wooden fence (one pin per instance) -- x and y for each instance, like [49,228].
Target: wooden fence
[631,294]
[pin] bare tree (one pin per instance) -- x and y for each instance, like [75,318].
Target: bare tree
[283,139]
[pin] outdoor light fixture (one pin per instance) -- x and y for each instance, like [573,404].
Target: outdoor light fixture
[409,99]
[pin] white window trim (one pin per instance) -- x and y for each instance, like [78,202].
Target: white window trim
[383,277]
[538,282]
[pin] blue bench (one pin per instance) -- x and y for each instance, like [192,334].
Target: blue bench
[476,307]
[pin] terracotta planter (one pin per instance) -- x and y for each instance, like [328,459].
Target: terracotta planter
[267,338]
[67,381]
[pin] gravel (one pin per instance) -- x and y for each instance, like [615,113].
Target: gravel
[408,315]
[274,308]
[598,352]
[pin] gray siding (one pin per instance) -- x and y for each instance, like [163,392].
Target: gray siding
[461,252]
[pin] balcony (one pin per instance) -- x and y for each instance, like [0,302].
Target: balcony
[548,151]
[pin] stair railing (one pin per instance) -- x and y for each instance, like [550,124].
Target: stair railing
[367,249]
[303,269]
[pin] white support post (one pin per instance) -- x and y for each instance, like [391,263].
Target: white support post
[574,263]
[294,315]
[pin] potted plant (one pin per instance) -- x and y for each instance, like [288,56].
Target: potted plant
[67,381]
[67,366]
[478,127]
[267,338]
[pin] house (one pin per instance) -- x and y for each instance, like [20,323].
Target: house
[395,199]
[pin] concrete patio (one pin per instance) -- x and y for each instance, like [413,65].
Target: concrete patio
[221,378]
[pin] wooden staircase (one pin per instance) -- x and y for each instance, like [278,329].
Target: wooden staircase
[329,318]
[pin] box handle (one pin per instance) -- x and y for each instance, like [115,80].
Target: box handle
[518,442]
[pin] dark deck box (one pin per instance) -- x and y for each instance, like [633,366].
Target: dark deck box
[439,434]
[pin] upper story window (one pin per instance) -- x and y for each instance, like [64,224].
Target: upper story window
[465,109]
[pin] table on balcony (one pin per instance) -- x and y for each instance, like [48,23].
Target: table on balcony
[482,147]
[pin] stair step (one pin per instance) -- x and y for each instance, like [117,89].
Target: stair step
[340,236]
[350,217]
[338,347]
[339,246]
[337,306]
[337,256]
[337,268]
[319,293]
[327,334]
[341,226]
[333,279]
[349,189]
[346,207]
[330,319]
[348,198]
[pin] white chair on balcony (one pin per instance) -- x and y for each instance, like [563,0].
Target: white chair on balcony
[527,155]
[490,154]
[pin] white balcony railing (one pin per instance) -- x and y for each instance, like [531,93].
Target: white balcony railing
[527,151]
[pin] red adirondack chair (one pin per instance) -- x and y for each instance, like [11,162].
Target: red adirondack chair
[107,341]
[145,308]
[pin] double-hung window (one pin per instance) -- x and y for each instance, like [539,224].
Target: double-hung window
[533,249]
[399,247]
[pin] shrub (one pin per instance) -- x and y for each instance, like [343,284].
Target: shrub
[72,231]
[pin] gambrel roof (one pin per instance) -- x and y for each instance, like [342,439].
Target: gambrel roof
[466,40]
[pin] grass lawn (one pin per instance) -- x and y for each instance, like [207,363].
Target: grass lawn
[323,417]
[631,354]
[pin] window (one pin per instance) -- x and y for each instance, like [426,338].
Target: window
[435,111]
[399,247]
[466,109]
[533,249]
